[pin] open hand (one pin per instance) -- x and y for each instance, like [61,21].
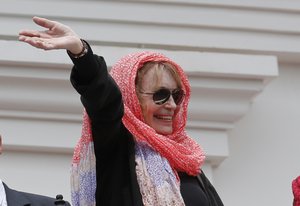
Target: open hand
[56,36]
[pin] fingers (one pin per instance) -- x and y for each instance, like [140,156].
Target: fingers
[41,22]
[30,33]
[35,33]
[56,36]
[44,22]
[38,42]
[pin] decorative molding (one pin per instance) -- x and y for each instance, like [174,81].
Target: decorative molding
[228,26]
[229,50]
[223,87]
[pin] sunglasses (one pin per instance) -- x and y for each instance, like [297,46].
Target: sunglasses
[162,95]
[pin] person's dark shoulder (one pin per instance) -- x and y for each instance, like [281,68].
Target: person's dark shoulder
[16,197]
[41,200]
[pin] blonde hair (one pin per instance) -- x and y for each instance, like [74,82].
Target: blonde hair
[159,67]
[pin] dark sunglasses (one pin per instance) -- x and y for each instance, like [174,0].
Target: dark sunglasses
[162,95]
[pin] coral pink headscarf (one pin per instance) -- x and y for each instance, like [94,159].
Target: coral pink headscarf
[182,152]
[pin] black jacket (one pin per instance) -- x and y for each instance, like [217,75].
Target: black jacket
[114,146]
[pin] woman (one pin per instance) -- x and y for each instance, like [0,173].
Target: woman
[134,149]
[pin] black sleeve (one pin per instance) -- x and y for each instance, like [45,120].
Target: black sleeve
[212,195]
[101,98]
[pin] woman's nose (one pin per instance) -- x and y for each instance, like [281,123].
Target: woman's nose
[171,103]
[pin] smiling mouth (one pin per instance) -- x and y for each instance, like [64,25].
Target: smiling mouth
[164,118]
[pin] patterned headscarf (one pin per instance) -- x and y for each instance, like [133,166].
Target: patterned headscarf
[158,157]
[182,152]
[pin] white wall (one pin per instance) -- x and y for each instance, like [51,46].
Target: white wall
[40,173]
[264,147]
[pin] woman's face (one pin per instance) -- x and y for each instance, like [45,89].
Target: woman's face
[159,117]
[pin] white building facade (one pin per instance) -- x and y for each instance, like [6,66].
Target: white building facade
[242,60]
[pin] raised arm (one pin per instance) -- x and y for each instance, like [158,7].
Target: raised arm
[89,75]
[100,95]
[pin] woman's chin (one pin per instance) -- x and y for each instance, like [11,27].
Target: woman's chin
[164,130]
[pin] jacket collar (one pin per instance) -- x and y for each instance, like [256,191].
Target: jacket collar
[15,198]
